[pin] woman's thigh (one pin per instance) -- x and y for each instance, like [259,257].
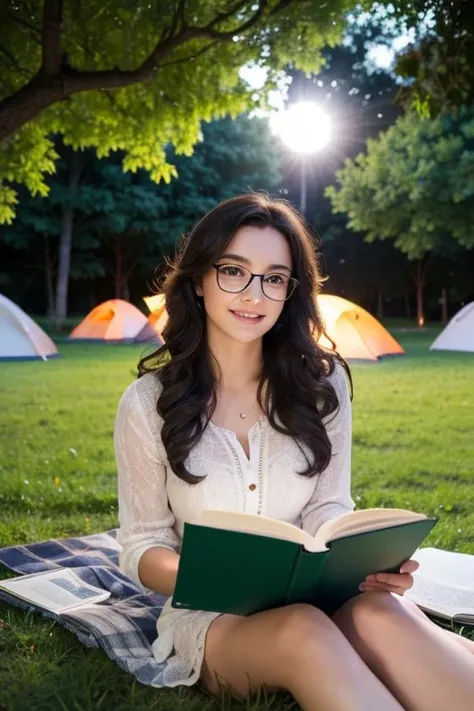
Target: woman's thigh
[246,653]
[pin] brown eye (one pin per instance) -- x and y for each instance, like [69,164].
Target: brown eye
[276,279]
[231,270]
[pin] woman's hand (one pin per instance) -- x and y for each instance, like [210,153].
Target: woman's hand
[392,582]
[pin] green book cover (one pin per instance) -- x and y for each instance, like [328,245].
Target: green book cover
[242,573]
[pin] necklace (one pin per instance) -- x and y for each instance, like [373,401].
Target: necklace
[243,415]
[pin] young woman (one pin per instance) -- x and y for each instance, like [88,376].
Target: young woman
[242,410]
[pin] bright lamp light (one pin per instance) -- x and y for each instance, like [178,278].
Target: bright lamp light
[304,127]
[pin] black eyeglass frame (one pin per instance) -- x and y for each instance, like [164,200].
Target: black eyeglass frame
[293,281]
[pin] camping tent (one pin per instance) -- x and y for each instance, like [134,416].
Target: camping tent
[459,333]
[115,321]
[20,337]
[158,316]
[356,333]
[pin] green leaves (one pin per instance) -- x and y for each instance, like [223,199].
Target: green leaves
[124,223]
[415,184]
[8,200]
[138,77]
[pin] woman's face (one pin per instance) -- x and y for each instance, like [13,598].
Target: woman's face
[260,250]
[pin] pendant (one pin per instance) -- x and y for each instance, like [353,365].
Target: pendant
[243,415]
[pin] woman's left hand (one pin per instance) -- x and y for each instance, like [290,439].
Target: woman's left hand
[392,582]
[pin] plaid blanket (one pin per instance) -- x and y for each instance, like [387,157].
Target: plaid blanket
[124,625]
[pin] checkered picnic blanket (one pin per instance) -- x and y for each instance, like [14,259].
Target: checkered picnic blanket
[124,626]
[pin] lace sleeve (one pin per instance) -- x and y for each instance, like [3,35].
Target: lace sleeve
[332,495]
[145,518]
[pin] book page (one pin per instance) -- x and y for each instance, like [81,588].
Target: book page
[446,566]
[56,590]
[355,522]
[258,525]
[442,598]
[444,582]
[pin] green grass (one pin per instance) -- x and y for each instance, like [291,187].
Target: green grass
[413,447]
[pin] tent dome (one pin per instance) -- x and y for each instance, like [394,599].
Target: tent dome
[115,321]
[458,335]
[20,337]
[356,333]
[158,315]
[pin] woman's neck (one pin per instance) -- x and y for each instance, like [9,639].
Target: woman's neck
[238,366]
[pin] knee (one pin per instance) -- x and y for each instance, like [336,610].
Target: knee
[303,625]
[371,613]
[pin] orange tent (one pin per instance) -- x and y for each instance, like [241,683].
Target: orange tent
[158,316]
[356,333]
[115,321]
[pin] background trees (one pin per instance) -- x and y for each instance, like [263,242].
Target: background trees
[123,124]
[107,230]
[415,184]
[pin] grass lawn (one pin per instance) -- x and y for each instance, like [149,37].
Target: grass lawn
[413,447]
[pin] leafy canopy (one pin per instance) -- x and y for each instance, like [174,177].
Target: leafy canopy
[138,76]
[415,184]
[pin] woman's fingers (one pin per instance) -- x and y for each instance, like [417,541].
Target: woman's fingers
[392,582]
[409,566]
[365,587]
[397,580]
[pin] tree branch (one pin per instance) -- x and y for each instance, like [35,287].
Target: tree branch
[224,36]
[179,17]
[51,38]
[190,57]
[221,16]
[51,84]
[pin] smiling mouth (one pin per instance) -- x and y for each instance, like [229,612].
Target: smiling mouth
[250,318]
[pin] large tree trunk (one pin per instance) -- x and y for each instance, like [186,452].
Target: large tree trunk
[48,266]
[65,241]
[420,314]
[125,261]
[419,275]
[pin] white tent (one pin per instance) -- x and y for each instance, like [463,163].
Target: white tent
[20,337]
[458,335]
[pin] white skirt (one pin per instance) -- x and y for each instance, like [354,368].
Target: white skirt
[180,643]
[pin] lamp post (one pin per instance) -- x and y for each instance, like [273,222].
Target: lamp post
[305,128]
[303,184]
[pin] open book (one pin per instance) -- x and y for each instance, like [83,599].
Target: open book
[243,563]
[58,590]
[444,584]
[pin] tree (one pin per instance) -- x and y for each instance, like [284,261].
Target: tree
[124,224]
[139,76]
[438,66]
[415,185]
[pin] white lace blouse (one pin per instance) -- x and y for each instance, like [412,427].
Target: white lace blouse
[154,503]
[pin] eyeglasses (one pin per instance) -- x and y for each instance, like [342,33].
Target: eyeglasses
[234,279]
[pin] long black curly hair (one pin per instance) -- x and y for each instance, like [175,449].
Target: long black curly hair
[295,367]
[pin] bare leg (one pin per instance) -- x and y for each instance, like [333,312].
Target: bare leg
[425,669]
[459,639]
[296,648]
[463,641]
